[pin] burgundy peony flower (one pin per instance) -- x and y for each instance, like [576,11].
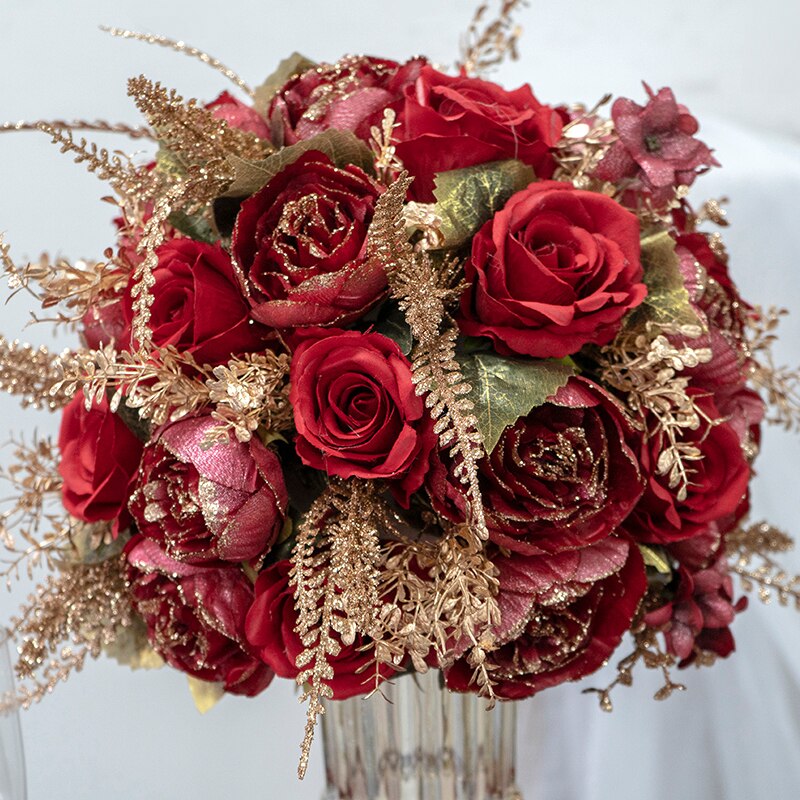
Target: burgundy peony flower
[239,115]
[99,459]
[562,616]
[201,503]
[555,269]
[270,628]
[301,242]
[560,478]
[195,617]
[356,410]
[198,304]
[700,614]
[449,122]
[350,95]
[656,149]
[716,489]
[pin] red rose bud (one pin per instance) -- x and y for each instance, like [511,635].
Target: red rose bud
[451,122]
[271,630]
[716,488]
[562,616]
[226,502]
[656,149]
[560,478]
[198,304]
[301,242]
[555,269]
[350,95]
[195,617]
[99,459]
[238,115]
[357,412]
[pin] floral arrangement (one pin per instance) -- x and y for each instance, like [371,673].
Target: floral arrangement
[393,369]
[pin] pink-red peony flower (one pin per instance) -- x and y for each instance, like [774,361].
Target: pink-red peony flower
[450,122]
[656,150]
[239,115]
[356,410]
[350,95]
[271,630]
[99,459]
[562,616]
[555,269]
[226,502]
[301,242]
[195,617]
[560,478]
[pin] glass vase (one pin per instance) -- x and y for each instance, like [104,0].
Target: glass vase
[12,760]
[419,742]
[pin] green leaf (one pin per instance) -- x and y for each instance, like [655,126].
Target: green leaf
[289,68]
[667,301]
[206,694]
[392,324]
[466,198]
[194,225]
[342,147]
[504,389]
[656,558]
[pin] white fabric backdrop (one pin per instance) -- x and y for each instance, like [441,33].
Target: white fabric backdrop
[735,734]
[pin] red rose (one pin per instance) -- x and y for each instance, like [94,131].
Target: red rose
[198,304]
[357,412]
[562,617]
[99,459]
[195,617]
[349,95]
[301,241]
[238,115]
[271,629]
[560,478]
[201,503]
[555,269]
[450,122]
[656,150]
[716,488]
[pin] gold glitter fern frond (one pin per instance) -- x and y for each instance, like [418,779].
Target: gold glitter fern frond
[30,373]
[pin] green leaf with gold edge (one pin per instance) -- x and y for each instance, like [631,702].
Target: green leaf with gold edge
[206,694]
[393,325]
[194,225]
[342,147]
[504,389]
[289,68]
[132,649]
[655,557]
[467,198]
[667,301]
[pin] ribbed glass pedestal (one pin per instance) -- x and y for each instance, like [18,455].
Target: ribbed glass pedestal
[425,744]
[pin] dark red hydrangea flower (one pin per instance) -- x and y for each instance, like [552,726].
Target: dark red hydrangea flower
[562,616]
[350,95]
[226,502]
[195,617]
[560,478]
[301,243]
[555,269]
[271,630]
[656,150]
[99,460]
[450,122]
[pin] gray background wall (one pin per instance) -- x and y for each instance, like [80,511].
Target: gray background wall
[736,733]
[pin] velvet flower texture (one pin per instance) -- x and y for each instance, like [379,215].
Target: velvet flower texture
[301,242]
[656,150]
[356,410]
[195,617]
[555,269]
[560,478]
[226,502]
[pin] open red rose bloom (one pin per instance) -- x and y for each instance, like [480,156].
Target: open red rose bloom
[376,327]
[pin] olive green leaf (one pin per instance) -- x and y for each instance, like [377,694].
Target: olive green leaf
[194,225]
[504,389]
[667,301]
[289,68]
[466,198]
[656,558]
[342,147]
[392,324]
[206,694]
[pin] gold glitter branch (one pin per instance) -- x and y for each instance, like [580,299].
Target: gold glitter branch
[98,126]
[488,43]
[182,47]
[30,373]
